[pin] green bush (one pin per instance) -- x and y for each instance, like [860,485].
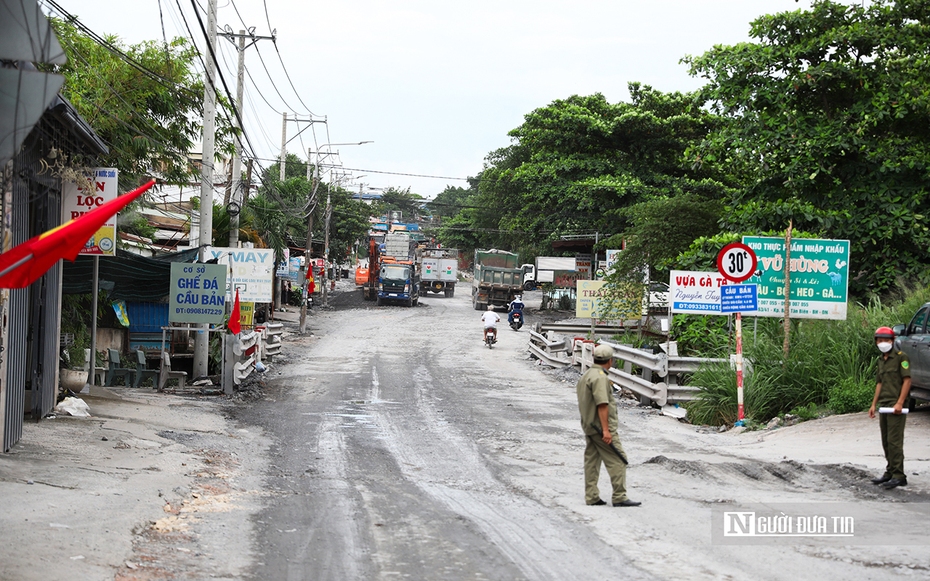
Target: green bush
[806,412]
[829,363]
[695,334]
[850,396]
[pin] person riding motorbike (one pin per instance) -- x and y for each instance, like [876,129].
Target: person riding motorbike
[516,306]
[491,319]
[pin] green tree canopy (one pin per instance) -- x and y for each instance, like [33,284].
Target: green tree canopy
[148,111]
[578,164]
[831,129]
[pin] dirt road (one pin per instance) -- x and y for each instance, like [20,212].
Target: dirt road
[407,448]
[392,443]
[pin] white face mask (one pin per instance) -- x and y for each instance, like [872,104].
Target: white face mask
[884,347]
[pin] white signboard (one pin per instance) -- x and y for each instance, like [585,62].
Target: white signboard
[76,202]
[611,258]
[284,266]
[694,292]
[250,271]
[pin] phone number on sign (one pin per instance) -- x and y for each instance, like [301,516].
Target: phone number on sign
[199,311]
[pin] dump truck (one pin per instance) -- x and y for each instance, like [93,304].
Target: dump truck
[398,270]
[439,270]
[498,278]
[544,269]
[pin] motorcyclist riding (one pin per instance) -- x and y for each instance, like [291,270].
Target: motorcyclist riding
[490,319]
[516,306]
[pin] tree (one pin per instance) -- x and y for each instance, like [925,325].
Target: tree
[393,200]
[579,164]
[831,129]
[146,105]
[348,224]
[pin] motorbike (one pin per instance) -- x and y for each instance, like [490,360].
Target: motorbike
[490,338]
[516,321]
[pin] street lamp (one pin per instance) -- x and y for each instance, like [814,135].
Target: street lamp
[309,245]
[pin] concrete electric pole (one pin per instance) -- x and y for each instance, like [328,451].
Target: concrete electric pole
[237,197]
[205,238]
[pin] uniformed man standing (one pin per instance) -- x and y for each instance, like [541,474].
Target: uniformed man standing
[894,384]
[599,422]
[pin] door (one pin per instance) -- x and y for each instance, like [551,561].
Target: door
[916,345]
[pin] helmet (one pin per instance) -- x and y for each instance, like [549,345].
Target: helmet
[490,307]
[518,298]
[884,333]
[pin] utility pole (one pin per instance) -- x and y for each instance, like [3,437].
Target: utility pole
[325,277]
[202,337]
[236,195]
[308,269]
[283,145]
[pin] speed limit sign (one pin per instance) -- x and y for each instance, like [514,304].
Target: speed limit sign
[736,262]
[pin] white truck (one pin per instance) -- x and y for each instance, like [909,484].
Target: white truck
[543,270]
[439,270]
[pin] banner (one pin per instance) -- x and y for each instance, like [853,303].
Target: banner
[250,270]
[75,202]
[819,277]
[197,293]
[695,292]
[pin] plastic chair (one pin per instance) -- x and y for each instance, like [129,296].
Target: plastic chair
[165,373]
[142,371]
[100,373]
[115,371]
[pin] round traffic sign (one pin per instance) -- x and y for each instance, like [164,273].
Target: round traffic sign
[736,262]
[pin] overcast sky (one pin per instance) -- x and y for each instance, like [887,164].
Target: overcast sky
[436,85]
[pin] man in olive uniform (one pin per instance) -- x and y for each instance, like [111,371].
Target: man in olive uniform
[599,422]
[891,391]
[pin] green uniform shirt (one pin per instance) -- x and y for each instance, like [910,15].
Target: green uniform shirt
[891,374]
[594,389]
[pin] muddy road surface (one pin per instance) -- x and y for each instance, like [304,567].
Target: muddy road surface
[405,448]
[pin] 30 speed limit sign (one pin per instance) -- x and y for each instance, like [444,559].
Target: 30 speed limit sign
[736,262]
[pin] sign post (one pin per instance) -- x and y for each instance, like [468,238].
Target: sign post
[737,262]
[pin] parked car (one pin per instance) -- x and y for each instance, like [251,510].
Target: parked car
[914,339]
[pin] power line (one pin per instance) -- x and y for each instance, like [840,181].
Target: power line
[284,68]
[167,83]
[393,173]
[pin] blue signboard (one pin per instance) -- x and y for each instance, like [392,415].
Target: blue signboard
[738,298]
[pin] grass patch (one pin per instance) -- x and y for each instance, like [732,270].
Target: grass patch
[830,364]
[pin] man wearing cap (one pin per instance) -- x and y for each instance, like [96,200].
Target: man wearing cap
[599,423]
[891,391]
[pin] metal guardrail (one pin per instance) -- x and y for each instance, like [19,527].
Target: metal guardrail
[548,351]
[582,329]
[657,392]
[669,391]
[655,362]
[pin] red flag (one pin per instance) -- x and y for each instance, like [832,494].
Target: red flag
[234,324]
[311,286]
[22,265]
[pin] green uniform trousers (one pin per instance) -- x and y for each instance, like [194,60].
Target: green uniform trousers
[892,427]
[596,452]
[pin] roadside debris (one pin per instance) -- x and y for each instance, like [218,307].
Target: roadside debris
[73,406]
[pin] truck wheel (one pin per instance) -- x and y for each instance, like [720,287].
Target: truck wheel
[448,293]
[380,301]
[409,302]
[416,301]
[529,286]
